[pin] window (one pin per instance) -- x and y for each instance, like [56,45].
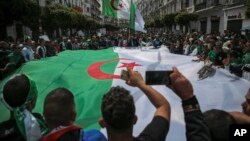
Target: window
[187,3]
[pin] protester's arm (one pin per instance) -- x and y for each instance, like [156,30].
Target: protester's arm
[240,117]
[162,105]
[196,128]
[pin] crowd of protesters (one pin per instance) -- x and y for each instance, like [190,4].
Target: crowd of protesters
[118,110]
[228,50]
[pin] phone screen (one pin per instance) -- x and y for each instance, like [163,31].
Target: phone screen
[124,75]
[158,77]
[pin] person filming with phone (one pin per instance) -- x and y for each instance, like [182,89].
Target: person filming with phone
[118,112]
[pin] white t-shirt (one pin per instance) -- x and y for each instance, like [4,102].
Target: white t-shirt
[28,53]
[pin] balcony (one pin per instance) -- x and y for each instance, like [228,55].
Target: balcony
[236,2]
[200,6]
[207,4]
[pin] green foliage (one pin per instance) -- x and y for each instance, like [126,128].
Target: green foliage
[92,24]
[25,11]
[56,16]
[184,18]
[110,27]
[158,21]
[31,14]
[150,23]
[169,19]
[248,9]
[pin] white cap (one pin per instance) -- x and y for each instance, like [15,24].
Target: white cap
[45,38]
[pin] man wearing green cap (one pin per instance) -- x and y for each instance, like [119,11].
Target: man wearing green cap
[19,96]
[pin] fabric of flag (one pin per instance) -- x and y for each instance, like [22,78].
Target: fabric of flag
[136,21]
[119,9]
[70,70]
[90,74]
[139,22]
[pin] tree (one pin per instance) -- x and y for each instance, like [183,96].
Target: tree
[57,16]
[150,23]
[158,21]
[169,20]
[248,9]
[185,18]
[31,15]
[110,27]
[25,12]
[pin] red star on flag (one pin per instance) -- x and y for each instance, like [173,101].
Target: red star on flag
[129,65]
[120,5]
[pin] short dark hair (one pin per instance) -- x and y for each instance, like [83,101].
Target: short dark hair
[233,53]
[218,122]
[118,109]
[58,105]
[16,90]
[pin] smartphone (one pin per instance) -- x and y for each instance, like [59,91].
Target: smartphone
[195,60]
[124,75]
[158,77]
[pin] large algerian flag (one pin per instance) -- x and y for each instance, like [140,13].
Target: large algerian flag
[119,9]
[90,74]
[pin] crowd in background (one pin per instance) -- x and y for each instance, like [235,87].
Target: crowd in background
[20,93]
[227,50]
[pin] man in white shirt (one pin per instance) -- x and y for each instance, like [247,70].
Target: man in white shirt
[27,51]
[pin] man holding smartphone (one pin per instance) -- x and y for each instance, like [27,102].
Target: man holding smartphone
[118,111]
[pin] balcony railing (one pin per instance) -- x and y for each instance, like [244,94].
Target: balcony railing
[238,1]
[207,4]
[235,2]
[200,6]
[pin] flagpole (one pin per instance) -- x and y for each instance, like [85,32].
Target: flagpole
[129,34]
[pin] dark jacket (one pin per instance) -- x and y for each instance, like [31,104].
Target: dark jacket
[10,132]
[196,128]
[133,43]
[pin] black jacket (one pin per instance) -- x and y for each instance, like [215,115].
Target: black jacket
[10,132]
[196,128]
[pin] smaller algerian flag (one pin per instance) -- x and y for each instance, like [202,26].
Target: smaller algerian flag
[119,9]
[136,21]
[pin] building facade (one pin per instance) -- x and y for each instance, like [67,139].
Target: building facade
[89,8]
[215,16]
[152,8]
[211,15]
[234,16]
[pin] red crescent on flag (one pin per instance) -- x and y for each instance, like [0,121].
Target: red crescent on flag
[112,3]
[95,71]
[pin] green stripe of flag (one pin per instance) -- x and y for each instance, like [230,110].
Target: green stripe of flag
[69,70]
[107,9]
[132,15]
